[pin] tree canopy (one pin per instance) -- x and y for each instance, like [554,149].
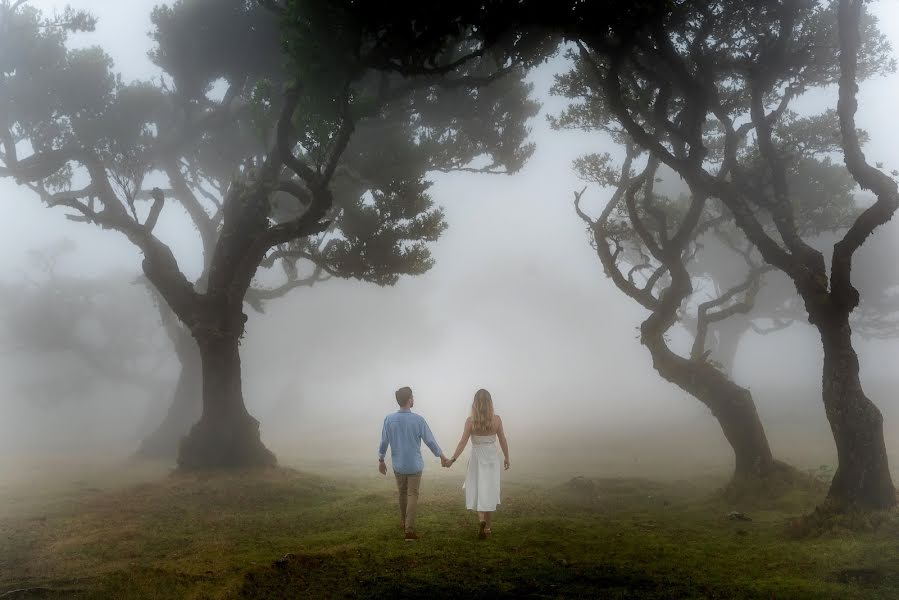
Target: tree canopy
[275,162]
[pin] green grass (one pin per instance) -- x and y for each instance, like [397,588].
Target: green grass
[224,536]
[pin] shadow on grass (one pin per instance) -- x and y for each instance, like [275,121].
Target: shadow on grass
[368,575]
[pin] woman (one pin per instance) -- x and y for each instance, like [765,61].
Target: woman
[482,481]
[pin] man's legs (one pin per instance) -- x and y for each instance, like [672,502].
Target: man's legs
[402,485]
[413,484]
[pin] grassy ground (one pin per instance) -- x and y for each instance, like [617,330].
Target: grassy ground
[284,533]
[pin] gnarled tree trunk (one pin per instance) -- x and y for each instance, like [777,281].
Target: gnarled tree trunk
[862,479]
[731,404]
[184,410]
[226,435]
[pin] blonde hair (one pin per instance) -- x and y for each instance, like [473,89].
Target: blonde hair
[482,411]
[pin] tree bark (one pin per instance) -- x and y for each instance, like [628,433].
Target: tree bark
[184,410]
[226,435]
[731,404]
[862,479]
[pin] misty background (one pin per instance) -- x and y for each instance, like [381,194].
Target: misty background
[517,303]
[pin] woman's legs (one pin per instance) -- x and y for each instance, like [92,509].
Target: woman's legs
[484,521]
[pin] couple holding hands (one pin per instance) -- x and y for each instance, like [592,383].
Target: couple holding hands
[403,433]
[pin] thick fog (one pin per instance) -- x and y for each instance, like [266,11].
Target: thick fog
[517,302]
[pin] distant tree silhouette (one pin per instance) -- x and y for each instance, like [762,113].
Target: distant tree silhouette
[79,333]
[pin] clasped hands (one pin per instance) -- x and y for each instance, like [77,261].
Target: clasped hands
[448,462]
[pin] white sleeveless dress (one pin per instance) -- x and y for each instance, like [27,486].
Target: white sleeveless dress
[482,480]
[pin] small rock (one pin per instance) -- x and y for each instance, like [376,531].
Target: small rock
[282,562]
[737,516]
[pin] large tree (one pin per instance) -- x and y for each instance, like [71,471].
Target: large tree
[705,88]
[331,171]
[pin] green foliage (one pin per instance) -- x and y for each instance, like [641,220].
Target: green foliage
[424,94]
[49,93]
[61,98]
[201,41]
[386,236]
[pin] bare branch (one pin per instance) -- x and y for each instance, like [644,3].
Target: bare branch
[577,208]
[636,220]
[609,259]
[704,318]
[156,209]
[779,325]
[782,206]
[256,296]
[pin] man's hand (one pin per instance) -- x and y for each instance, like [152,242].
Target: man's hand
[382,467]
[445,462]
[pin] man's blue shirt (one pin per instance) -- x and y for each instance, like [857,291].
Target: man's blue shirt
[404,431]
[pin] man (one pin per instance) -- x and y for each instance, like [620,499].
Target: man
[404,431]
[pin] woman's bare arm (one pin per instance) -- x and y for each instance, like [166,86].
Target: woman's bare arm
[503,443]
[466,433]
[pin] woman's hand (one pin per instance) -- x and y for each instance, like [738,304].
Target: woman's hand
[506,464]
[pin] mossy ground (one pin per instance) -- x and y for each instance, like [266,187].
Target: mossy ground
[222,535]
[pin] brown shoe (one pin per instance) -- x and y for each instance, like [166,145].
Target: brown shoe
[411,536]
[482,530]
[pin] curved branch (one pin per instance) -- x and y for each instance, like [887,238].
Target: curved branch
[607,257]
[256,296]
[867,176]
[779,325]
[192,205]
[296,190]
[155,210]
[782,206]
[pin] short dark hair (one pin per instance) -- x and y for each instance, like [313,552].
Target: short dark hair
[403,395]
